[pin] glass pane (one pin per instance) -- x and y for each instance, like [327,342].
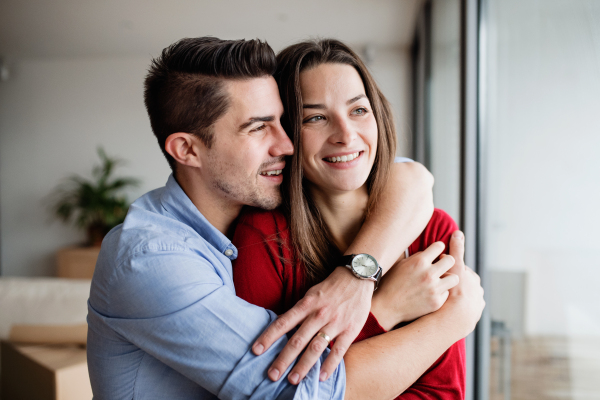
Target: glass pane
[541,136]
[444,105]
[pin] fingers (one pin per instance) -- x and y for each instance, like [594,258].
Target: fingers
[443,265]
[342,344]
[293,348]
[457,247]
[432,252]
[283,324]
[448,282]
[314,350]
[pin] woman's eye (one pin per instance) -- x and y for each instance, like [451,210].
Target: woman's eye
[360,111]
[316,118]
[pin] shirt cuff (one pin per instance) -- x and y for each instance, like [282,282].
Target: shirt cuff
[371,328]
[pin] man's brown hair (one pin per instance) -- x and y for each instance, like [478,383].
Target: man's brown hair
[184,87]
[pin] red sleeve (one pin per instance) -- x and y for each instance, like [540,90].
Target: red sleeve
[264,273]
[446,378]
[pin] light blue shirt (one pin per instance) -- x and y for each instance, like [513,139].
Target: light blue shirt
[164,320]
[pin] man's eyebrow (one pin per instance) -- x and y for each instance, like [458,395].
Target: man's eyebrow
[352,100]
[256,119]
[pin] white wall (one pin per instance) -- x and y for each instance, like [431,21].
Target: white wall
[53,115]
[542,137]
[391,68]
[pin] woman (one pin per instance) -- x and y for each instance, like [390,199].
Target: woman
[344,137]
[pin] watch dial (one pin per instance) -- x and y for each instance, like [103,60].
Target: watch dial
[364,265]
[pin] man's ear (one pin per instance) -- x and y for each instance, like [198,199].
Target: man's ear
[184,148]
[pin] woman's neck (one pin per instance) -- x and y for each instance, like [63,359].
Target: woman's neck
[343,213]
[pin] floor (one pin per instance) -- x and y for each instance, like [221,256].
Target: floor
[548,368]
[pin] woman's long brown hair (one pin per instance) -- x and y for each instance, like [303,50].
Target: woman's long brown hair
[310,235]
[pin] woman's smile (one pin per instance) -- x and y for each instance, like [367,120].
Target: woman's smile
[339,130]
[343,160]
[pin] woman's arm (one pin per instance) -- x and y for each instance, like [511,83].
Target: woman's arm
[385,366]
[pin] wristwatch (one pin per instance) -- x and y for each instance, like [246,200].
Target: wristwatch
[363,266]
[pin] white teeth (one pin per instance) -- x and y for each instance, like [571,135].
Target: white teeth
[270,173]
[346,158]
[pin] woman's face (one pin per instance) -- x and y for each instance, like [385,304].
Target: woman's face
[339,131]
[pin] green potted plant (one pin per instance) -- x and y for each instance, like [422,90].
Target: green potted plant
[95,205]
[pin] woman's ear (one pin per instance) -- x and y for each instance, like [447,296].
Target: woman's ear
[183,147]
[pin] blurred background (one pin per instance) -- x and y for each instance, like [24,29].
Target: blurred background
[498,98]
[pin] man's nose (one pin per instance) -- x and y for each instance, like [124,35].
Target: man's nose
[283,145]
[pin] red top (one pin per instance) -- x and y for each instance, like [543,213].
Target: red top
[265,275]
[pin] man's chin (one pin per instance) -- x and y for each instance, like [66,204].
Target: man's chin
[267,202]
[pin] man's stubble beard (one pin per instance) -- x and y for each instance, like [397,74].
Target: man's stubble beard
[247,192]
[250,198]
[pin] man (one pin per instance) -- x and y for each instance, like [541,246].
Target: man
[164,321]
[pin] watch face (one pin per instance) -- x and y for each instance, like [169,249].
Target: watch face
[364,265]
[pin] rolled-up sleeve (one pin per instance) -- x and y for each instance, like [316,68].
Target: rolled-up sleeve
[174,306]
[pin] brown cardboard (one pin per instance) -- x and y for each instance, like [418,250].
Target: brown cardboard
[49,334]
[76,262]
[44,372]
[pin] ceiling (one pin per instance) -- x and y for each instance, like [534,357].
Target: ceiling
[79,28]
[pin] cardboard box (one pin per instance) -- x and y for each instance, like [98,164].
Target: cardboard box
[44,372]
[76,262]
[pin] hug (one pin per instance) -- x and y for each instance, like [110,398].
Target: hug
[290,254]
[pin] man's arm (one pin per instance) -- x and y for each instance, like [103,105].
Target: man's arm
[175,307]
[339,306]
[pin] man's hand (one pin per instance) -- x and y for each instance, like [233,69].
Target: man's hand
[414,287]
[338,307]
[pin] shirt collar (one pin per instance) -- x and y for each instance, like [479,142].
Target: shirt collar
[179,205]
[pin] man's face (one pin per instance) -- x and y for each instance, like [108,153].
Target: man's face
[247,156]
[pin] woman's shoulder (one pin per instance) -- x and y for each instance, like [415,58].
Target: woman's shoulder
[439,229]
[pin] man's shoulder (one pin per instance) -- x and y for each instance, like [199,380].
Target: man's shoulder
[148,227]
[149,254]
[148,232]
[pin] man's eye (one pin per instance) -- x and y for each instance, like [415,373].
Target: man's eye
[316,118]
[259,128]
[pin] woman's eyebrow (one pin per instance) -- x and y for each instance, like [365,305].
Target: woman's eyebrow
[319,106]
[352,100]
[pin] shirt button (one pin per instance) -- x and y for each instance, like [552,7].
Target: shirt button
[228,252]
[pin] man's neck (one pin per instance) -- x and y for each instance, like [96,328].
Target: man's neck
[218,211]
[343,212]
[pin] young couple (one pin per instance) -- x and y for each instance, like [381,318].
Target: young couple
[164,318]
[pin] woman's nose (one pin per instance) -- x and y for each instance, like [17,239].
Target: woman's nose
[343,131]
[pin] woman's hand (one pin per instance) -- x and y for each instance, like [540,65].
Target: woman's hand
[338,306]
[414,287]
[465,301]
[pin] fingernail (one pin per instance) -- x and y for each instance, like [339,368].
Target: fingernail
[274,374]
[323,376]
[258,349]
[457,235]
[294,378]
